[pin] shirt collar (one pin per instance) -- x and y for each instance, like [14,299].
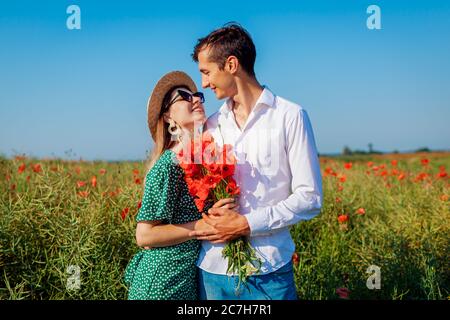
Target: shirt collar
[266,99]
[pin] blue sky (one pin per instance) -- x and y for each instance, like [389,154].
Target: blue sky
[83,93]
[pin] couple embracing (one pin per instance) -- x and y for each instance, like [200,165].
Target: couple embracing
[277,172]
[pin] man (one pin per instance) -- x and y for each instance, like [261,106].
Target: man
[278,170]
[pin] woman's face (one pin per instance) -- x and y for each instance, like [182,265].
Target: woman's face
[186,113]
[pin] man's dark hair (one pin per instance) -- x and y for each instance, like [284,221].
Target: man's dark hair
[230,40]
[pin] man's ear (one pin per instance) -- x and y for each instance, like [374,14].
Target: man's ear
[232,64]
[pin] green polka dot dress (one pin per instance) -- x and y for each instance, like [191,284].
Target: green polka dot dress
[166,273]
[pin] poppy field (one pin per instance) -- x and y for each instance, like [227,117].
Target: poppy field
[67,228]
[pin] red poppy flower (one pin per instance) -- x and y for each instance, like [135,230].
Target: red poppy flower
[348,165]
[442,174]
[425,162]
[102,171]
[343,293]
[81,184]
[200,204]
[21,168]
[94,181]
[135,172]
[211,180]
[139,205]
[232,188]
[137,181]
[124,213]
[343,218]
[83,194]
[361,211]
[37,168]
[394,163]
[295,258]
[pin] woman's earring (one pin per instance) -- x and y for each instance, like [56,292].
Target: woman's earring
[174,130]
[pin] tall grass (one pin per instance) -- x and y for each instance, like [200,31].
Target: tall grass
[46,225]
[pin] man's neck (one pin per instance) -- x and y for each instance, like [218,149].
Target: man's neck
[248,92]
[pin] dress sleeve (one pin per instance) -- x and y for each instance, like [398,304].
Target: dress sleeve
[160,194]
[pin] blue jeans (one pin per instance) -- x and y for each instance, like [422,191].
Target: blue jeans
[277,285]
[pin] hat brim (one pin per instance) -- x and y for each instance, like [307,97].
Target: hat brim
[166,83]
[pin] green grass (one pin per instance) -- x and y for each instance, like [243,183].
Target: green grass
[45,227]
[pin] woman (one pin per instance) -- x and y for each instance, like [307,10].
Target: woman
[165,269]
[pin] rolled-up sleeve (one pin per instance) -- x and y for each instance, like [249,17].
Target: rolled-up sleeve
[305,201]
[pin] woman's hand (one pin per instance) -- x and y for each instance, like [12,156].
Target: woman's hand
[227,203]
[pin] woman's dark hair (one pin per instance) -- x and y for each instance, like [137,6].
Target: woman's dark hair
[230,40]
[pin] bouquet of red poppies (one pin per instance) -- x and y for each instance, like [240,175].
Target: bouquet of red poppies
[209,171]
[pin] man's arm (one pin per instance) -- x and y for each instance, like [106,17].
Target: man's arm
[304,203]
[306,199]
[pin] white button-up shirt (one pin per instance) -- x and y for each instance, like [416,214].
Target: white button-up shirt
[278,174]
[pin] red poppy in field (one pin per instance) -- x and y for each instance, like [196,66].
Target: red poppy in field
[139,205]
[394,172]
[102,171]
[370,164]
[342,218]
[124,213]
[13,187]
[83,194]
[401,176]
[444,197]
[343,293]
[442,174]
[338,200]
[394,163]
[375,168]
[421,176]
[340,188]
[137,181]
[361,211]
[77,170]
[382,166]
[37,168]
[383,173]
[135,172]
[21,168]
[80,184]
[348,165]
[342,177]
[94,181]
[425,161]
[441,168]
[295,258]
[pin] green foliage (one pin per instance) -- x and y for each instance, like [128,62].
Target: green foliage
[47,226]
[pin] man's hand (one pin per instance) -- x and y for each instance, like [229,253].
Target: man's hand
[226,225]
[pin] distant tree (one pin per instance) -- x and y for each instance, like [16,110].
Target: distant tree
[424,149]
[370,147]
[346,151]
[395,151]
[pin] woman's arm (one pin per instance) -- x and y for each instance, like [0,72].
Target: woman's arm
[156,234]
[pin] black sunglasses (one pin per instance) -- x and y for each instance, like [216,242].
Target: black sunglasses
[186,96]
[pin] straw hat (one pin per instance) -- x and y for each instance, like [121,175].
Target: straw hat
[164,85]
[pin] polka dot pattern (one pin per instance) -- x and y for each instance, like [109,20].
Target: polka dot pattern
[167,273]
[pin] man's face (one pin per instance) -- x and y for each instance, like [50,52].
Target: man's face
[221,82]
